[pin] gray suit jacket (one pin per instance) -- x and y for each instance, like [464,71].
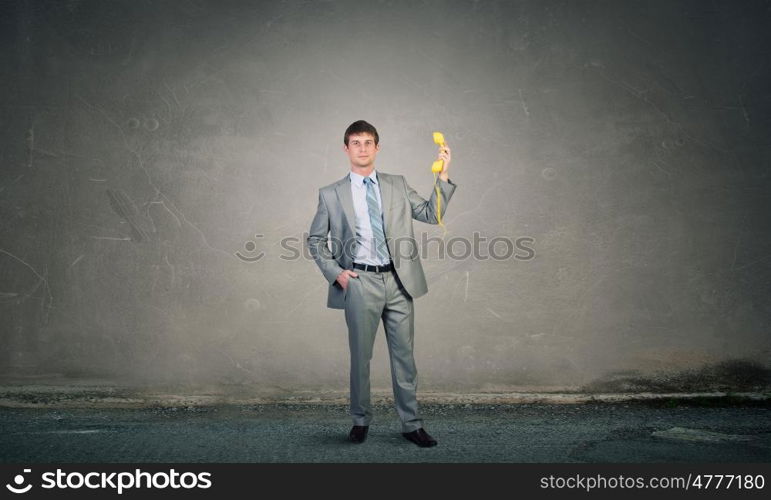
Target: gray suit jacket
[335,222]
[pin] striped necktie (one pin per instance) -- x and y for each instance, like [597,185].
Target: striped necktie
[376,221]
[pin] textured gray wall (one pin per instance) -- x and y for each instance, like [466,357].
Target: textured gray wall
[145,144]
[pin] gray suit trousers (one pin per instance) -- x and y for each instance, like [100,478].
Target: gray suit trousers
[369,298]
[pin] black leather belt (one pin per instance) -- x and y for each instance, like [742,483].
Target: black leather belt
[376,269]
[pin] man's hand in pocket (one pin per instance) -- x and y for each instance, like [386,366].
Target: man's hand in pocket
[344,276]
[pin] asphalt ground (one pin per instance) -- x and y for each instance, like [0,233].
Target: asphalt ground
[670,430]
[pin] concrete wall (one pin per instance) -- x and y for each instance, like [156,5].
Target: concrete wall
[150,148]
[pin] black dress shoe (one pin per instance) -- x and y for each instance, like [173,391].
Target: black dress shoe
[358,434]
[420,437]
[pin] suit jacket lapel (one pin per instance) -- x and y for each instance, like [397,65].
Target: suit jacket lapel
[386,193]
[343,190]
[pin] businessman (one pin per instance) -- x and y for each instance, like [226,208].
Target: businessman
[374,270]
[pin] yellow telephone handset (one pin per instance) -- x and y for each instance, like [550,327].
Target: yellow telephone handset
[439,164]
[437,168]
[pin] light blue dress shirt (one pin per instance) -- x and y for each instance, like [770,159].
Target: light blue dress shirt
[365,240]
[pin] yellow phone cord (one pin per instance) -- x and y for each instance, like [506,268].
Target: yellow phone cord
[439,207]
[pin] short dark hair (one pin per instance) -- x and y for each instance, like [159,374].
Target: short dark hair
[360,127]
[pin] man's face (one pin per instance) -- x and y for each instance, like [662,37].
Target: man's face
[361,149]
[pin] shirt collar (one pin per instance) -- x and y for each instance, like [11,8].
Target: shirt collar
[358,179]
